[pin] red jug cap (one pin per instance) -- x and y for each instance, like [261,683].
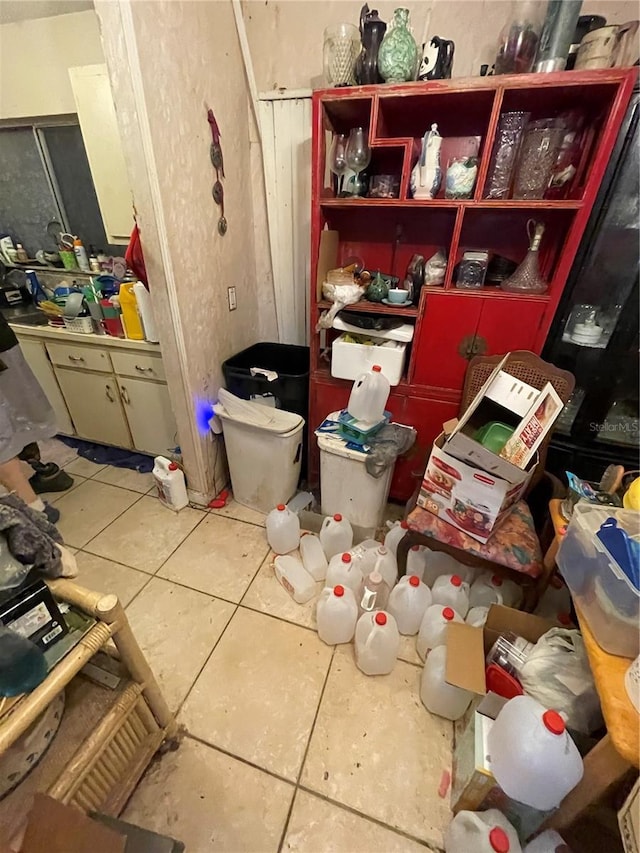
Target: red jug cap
[414,580]
[173,466]
[381,618]
[337,517]
[499,840]
[456,580]
[554,722]
[496,580]
[404,525]
[338,590]
[346,557]
[448,614]
[376,368]
[281,507]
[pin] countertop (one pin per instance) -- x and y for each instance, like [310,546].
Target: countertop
[50,333]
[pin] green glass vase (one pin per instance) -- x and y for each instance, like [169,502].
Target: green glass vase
[398,57]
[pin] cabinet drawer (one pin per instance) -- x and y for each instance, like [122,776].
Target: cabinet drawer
[142,365]
[85,358]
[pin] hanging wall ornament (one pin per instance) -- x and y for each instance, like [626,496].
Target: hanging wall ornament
[217,161]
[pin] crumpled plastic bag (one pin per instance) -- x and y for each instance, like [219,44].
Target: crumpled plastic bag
[392,441]
[341,295]
[12,571]
[558,675]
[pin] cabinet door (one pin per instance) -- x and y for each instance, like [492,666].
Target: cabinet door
[94,403]
[36,357]
[148,410]
[508,324]
[446,338]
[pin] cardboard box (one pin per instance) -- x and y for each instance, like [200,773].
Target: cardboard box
[629,820]
[471,499]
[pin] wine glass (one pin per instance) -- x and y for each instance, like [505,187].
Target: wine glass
[338,158]
[358,155]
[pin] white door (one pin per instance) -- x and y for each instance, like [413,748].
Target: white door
[94,404]
[148,410]
[36,357]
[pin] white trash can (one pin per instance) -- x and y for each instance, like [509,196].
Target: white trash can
[347,488]
[264,451]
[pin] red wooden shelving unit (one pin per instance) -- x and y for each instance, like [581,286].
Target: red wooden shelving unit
[451,324]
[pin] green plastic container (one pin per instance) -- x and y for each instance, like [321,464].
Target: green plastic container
[494,436]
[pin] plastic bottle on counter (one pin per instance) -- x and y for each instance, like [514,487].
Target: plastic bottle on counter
[481,832]
[94,264]
[336,535]
[407,603]
[345,571]
[293,577]
[433,628]
[145,307]
[313,558]
[451,591]
[444,700]
[369,396]
[21,254]
[283,529]
[130,315]
[477,616]
[336,615]
[81,255]
[394,535]
[373,593]
[170,483]
[417,561]
[485,591]
[377,643]
[386,564]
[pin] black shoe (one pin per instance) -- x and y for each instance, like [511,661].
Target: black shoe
[50,478]
[53,514]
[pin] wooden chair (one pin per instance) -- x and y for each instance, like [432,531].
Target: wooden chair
[514,550]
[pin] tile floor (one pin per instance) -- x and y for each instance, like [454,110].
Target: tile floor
[288,746]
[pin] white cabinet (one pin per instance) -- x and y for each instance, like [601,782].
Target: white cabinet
[94,404]
[36,357]
[149,413]
[101,136]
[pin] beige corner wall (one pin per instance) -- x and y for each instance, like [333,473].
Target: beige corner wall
[34,60]
[285,36]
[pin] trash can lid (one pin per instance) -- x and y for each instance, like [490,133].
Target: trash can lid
[255,414]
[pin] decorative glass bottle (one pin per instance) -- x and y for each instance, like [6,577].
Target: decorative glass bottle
[518,39]
[527,277]
[340,51]
[398,56]
[372,31]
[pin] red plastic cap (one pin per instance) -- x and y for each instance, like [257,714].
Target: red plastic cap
[564,618]
[346,557]
[173,466]
[414,580]
[338,590]
[415,547]
[404,525]
[496,580]
[281,507]
[554,722]
[456,580]
[448,614]
[499,840]
[381,618]
[337,517]
[376,368]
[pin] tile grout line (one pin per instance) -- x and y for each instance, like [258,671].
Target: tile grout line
[239,758]
[120,514]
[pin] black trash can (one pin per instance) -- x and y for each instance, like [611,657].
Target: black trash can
[250,375]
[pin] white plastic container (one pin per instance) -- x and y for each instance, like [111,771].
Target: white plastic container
[373,593]
[313,556]
[533,758]
[451,591]
[349,359]
[433,628]
[293,577]
[170,484]
[336,535]
[547,842]
[481,832]
[145,307]
[477,616]
[555,599]
[336,615]
[364,555]
[345,571]
[407,603]
[369,396]
[377,643]
[386,564]
[347,487]
[444,700]
[485,591]
[283,530]
[417,561]
[394,535]
[438,563]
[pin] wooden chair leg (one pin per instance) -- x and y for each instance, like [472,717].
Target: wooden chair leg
[407,542]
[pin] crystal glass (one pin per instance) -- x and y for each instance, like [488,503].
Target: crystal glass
[518,40]
[338,158]
[358,155]
[340,51]
[538,154]
[505,151]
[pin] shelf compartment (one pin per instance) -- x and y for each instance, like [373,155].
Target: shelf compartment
[364,307]
[340,114]
[464,113]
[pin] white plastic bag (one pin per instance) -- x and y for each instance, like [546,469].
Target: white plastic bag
[557,674]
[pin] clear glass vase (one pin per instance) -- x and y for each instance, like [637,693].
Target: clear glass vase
[340,52]
[518,39]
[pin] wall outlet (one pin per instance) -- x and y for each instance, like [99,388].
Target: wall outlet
[233,302]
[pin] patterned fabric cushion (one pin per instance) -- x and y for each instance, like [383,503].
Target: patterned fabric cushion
[514,544]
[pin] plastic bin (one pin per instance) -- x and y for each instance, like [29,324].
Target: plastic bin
[605,596]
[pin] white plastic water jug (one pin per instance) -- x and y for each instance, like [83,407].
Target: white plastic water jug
[369,396]
[386,565]
[438,563]
[293,577]
[445,700]
[511,593]
[373,593]
[485,591]
[555,599]
[336,615]
[170,484]
[433,628]
[283,530]
[547,842]
[377,643]
[481,832]
[313,558]
[417,561]
[394,535]
[533,758]
[477,616]
[451,591]
[407,603]
[345,571]
[364,555]
[336,535]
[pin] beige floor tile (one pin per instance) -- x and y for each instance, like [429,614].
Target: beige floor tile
[108,577]
[126,479]
[54,497]
[375,748]
[241,513]
[176,628]
[316,825]
[269,596]
[258,694]
[211,802]
[219,557]
[408,651]
[145,536]
[83,467]
[87,510]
